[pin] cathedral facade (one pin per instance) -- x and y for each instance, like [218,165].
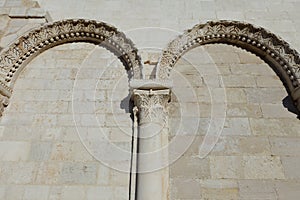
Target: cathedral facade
[149,100]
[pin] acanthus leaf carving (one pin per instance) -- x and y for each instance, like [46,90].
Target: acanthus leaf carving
[152,105]
[63,32]
[255,39]
[14,57]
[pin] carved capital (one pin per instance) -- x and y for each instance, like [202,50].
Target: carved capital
[152,105]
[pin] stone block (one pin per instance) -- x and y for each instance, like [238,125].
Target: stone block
[17,118]
[21,173]
[252,69]
[273,110]
[224,57]
[219,194]
[236,95]
[14,150]
[268,81]
[119,193]
[2,192]
[66,120]
[78,173]
[262,126]
[288,146]
[48,173]
[190,167]
[234,81]
[4,19]
[14,192]
[236,126]
[275,127]
[35,12]
[290,167]
[45,120]
[40,151]
[103,175]
[243,110]
[219,189]
[226,167]
[238,146]
[118,178]
[247,58]
[233,15]
[288,190]
[101,193]
[17,12]
[73,192]
[185,188]
[257,189]
[263,167]
[36,193]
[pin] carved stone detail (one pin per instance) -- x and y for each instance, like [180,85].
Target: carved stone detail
[4,101]
[14,58]
[257,40]
[152,105]
[66,31]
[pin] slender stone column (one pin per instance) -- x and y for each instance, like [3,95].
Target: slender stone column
[152,118]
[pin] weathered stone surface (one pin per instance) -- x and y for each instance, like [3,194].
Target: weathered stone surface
[14,151]
[73,192]
[226,167]
[243,145]
[36,193]
[185,188]
[41,153]
[290,167]
[78,173]
[257,189]
[285,146]
[263,167]
[288,190]
[187,167]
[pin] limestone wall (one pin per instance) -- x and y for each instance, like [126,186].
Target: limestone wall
[44,156]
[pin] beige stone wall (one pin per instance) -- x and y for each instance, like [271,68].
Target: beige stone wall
[42,154]
[255,156]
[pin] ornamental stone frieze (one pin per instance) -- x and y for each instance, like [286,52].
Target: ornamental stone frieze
[284,60]
[22,51]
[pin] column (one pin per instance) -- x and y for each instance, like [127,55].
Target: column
[152,180]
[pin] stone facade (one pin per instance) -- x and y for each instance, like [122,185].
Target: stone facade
[207,113]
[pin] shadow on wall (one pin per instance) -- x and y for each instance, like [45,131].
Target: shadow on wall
[288,103]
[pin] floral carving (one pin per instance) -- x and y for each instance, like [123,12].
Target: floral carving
[50,35]
[152,105]
[255,39]
[15,56]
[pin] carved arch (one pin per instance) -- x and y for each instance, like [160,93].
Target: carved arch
[15,57]
[284,60]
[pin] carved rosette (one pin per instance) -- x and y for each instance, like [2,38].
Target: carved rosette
[152,105]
